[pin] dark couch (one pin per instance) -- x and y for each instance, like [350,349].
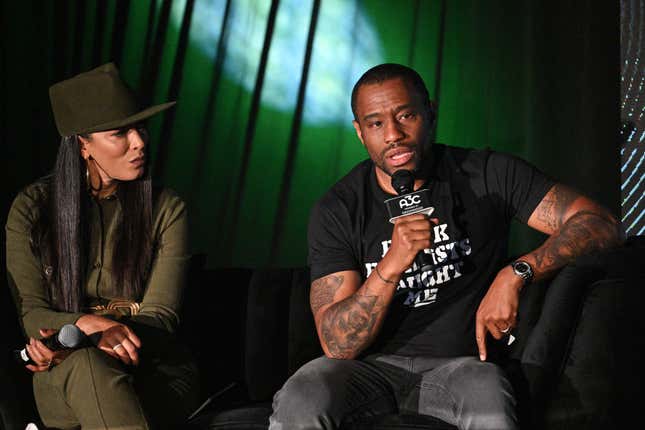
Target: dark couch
[575,363]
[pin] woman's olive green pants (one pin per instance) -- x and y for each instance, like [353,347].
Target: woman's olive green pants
[92,390]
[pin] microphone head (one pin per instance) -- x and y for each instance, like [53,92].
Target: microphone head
[403,181]
[70,336]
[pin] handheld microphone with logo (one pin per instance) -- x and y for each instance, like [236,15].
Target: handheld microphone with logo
[409,202]
[68,337]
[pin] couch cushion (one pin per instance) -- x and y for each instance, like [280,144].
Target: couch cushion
[585,340]
[280,332]
[213,324]
[303,345]
[393,422]
[256,417]
[267,325]
[603,374]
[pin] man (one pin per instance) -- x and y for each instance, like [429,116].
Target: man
[397,337]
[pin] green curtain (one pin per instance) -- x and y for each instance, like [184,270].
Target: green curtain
[262,127]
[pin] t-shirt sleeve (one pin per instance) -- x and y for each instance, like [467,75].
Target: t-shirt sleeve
[515,186]
[329,238]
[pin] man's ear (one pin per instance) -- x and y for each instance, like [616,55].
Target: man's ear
[357,127]
[83,146]
[432,112]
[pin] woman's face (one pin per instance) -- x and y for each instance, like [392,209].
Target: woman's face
[114,155]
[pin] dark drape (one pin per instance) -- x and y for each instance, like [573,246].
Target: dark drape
[263,125]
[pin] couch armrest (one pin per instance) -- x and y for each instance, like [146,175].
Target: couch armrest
[568,366]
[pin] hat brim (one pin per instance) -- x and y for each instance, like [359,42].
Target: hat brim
[132,119]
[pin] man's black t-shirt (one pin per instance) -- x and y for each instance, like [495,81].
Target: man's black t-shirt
[476,194]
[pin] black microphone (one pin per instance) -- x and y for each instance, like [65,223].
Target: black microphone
[68,337]
[409,202]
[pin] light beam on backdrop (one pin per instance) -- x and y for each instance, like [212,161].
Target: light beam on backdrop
[346,45]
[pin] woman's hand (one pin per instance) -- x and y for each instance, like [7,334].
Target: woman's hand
[120,342]
[43,357]
[117,340]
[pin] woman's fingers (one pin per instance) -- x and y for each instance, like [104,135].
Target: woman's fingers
[127,351]
[122,353]
[108,350]
[40,356]
[46,332]
[121,343]
[136,342]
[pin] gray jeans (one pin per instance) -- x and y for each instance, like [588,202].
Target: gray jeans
[463,391]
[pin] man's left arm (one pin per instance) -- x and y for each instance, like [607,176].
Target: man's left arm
[576,225]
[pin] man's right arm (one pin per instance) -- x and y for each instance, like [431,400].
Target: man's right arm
[349,315]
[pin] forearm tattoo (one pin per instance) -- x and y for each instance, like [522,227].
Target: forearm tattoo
[554,207]
[584,232]
[348,326]
[323,291]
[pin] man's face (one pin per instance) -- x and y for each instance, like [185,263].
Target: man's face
[393,125]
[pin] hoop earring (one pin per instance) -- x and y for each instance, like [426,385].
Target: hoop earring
[89,181]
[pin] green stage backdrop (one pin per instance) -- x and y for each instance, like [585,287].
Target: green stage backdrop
[263,123]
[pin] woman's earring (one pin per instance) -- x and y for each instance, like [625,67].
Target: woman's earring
[89,180]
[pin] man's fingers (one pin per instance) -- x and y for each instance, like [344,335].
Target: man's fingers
[494,331]
[504,327]
[418,238]
[418,225]
[480,335]
[410,218]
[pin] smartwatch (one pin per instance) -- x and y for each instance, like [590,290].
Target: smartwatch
[523,269]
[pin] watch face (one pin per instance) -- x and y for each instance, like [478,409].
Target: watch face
[522,267]
[523,270]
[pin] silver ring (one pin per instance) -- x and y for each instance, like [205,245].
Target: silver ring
[117,346]
[506,329]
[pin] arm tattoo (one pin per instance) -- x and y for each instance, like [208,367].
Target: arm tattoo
[584,232]
[348,326]
[323,290]
[555,205]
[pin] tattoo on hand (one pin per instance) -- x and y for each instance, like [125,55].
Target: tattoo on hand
[323,291]
[349,324]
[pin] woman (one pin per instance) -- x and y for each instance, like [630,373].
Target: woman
[95,245]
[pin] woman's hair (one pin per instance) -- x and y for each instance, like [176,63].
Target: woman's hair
[61,235]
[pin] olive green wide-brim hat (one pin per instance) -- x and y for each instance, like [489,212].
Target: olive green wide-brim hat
[97,100]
